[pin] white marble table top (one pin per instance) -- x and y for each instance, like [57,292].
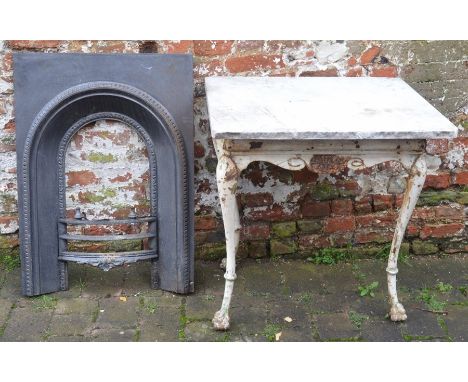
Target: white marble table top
[321,108]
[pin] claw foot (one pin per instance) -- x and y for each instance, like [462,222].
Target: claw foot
[397,312]
[221,320]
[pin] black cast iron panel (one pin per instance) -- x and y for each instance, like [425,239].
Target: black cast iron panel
[56,94]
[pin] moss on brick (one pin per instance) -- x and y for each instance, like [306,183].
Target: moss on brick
[282,246]
[257,249]
[108,193]
[210,164]
[8,139]
[8,241]
[97,197]
[424,247]
[284,229]
[8,202]
[463,198]
[454,246]
[404,250]
[92,197]
[97,157]
[9,252]
[309,226]
[210,251]
[433,198]
[324,191]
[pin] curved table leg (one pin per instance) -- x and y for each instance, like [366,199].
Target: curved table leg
[415,184]
[226,176]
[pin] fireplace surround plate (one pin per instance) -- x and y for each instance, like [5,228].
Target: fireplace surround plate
[53,92]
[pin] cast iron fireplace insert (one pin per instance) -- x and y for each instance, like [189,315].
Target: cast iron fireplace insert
[55,96]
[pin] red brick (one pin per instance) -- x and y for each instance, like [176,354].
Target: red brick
[111,47]
[34,44]
[438,181]
[399,200]
[212,67]
[449,212]
[313,241]
[348,187]
[255,231]
[437,146]
[384,71]
[354,72]
[304,176]
[373,237]
[441,230]
[10,126]
[182,46]
[342,207]
[5,148]
[315,209]
[352,61]
[328,164]
[277,45]
[7,64]
[461,141]
[249,45]
[382,202]
[7,220]
[121,178]
[199,150]
[274,212]
[461,178]
[204,223]
[423,213]
[340,224]
[412,230]
[254,62]
[257,199]
[382,220]
[330,72]
[212,47]
[363,205]
[368,55]
[341,239]
[81,178]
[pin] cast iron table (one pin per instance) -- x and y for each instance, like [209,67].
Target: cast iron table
[286,121]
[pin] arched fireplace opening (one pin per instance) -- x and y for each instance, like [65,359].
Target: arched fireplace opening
[108,202]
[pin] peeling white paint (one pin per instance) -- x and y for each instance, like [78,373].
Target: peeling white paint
[330,52]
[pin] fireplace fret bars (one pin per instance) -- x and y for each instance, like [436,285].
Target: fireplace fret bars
[108,260]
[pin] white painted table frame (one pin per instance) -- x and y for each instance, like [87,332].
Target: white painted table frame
[280,145]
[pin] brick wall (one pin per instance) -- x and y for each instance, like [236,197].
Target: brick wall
[283,213]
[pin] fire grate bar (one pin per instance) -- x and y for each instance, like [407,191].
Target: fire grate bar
[133,236]
[108,260]
[145,219]
[141,255]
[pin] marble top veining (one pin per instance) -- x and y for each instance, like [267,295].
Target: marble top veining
[321,108]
